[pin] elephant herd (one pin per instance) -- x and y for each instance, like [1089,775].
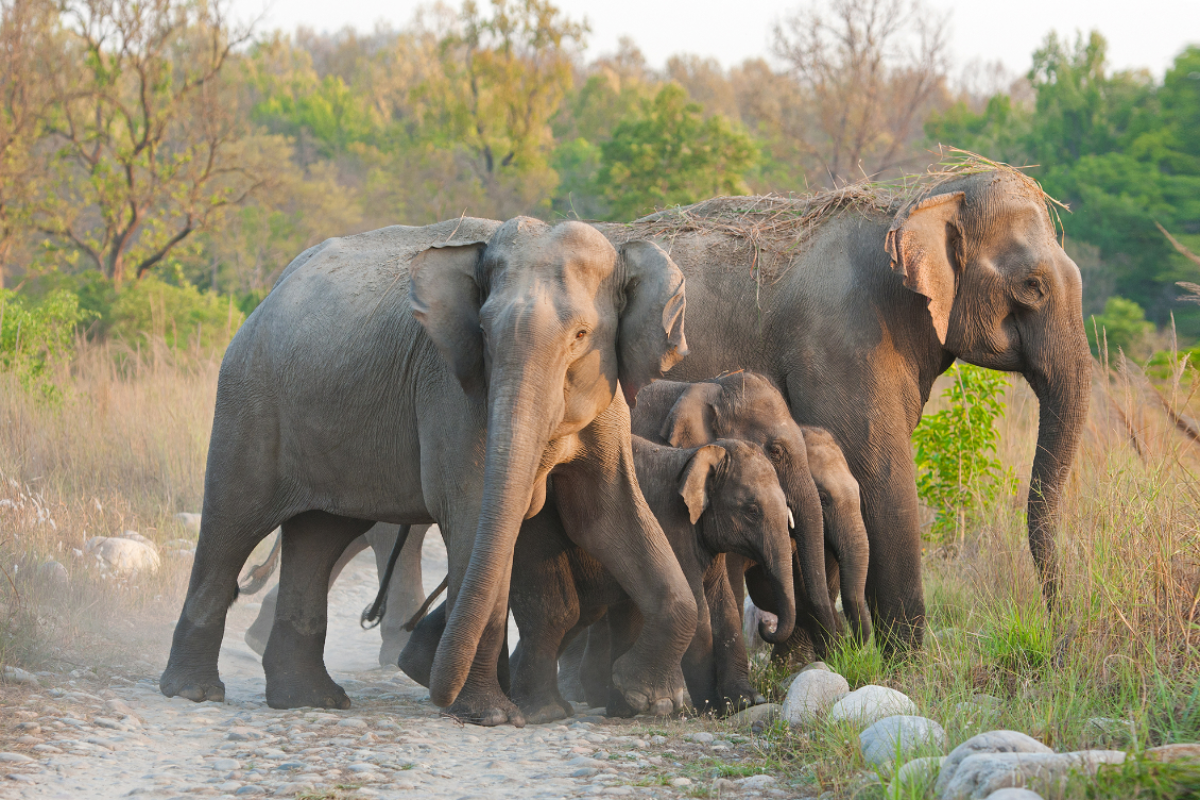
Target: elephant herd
[466,374]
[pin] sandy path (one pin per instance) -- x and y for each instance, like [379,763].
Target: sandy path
[84,737]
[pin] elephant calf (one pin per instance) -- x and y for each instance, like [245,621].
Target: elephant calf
[710,500]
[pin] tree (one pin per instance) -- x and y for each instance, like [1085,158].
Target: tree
[501,80]
[668,154]
[870,71]
[28,42]
[147,146]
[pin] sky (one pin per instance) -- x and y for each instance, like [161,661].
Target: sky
[1146,33]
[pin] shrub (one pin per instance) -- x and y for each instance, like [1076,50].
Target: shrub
[1122,326]
[35,335]
[182,316]
[958,473]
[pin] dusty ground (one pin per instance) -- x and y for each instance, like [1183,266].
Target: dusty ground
[84,735]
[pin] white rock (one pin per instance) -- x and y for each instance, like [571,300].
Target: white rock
[870,704]
[123,555]
[900,736]
[703,737]
[54,573]
[916,778]
[14,758]
[990,742]
[189,521]
[18,675]
[982,774]
[681,782]
[1014,794]
[811,695]
[755,782]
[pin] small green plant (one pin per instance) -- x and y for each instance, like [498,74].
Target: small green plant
[859,664]
[958,473]
[1138,779]
[35,335]
[1021,639]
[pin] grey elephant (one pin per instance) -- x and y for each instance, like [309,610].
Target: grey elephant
[748,406]
[855,310]
[439,374]
[722,497]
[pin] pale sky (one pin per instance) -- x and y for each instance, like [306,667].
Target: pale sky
[1145,33]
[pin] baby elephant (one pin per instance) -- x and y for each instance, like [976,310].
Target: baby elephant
[719,498]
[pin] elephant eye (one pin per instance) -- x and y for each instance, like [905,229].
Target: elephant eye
[1034,285]
[752,510]
[824,499]
[580,334]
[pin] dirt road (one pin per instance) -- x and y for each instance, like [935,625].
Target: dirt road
[85,735]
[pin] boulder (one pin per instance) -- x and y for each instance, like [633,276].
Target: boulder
[756,718]
[990,742]
[18,675]
[54,574]
[811,695]
[900,736]
[1014,794]
[189,521]
[786,683]
[1174,752]
[982,774]
[916,778]
[869,705]
[123,555]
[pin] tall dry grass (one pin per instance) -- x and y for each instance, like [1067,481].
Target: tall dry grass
[122,448]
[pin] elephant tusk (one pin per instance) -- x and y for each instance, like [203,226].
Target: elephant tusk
[791,521]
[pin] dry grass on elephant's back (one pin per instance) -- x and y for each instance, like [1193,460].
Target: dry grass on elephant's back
[122,449]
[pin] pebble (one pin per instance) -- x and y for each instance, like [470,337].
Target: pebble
[14,758]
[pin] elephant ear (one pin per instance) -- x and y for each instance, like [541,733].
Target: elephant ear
[692,420]
[693,487]
[650,338]
[445,296]
[925,243]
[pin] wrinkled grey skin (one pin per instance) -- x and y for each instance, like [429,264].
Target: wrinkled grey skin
[394,377]
[719,498]
[871,310]
[747,406]
[404,595]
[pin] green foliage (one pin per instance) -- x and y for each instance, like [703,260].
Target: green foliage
[33,336]
[1138,779]
[859,664]
[958,473]
[182,316]
[1122,326]
[668,154]
[1019,640]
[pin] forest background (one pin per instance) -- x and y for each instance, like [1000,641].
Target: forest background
[161,162]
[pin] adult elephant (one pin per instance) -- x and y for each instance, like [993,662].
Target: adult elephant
[853,305]
[439,374]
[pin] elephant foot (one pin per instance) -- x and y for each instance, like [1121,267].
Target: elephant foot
[546,709]
[737,697]
[486,709]
[645,695]
[307,694]
[190,685]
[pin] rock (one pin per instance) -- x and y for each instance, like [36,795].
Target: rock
[757,718]
[703,737]
[916,778]
[18,675]
[352,722]
[584,772]
[870,704]
[14,758]
[54,573]
[786,683]
[720,786]
[681,782]
[123,555]
[189,521]
[1106,730]
[990,742]
[811,695]
[1174,752]
[899,738]
[979,775]
[755,783]
[1014,794]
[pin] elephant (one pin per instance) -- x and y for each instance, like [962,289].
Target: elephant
[404,591]
[718,498]
[439,374]
[747,406]
[861,304]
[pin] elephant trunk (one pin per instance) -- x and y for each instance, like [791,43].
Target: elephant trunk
[520,416]
[1062,383]
[777,563]
[809,535]
[848,539]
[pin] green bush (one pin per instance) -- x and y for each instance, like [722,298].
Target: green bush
[175,314]
[1122,326]
[33,335]
[958,473]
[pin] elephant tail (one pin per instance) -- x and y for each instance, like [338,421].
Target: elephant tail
[411,625]
[258,576]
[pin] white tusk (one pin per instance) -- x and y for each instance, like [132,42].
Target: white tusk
[791,521]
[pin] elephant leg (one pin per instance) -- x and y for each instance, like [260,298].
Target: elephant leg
[596,670]
[313,543]
[733,688]
[570,685]
[534,686]
[224,545]
[416,659]
[260,630]
[405,593]
[699,671]
[624,623]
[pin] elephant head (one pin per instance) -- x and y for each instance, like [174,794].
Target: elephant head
[744,405]
[1002,293]
[539,324]
[734,498]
